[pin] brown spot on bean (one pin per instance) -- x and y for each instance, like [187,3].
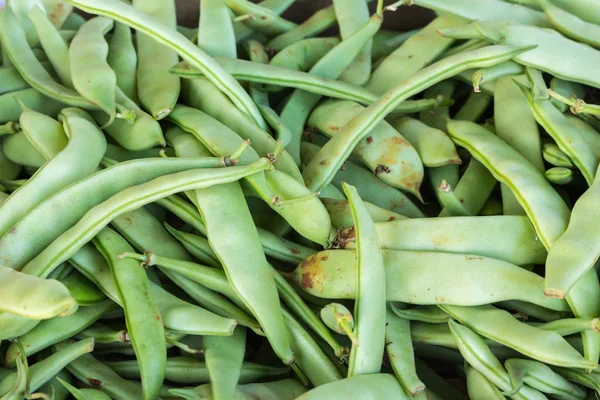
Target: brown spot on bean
[294,251]
[311,271]
[382,169]
[391,219]
[323,162]
[473,258]
[12,230]
[95,383]
[333,128]
[369,140]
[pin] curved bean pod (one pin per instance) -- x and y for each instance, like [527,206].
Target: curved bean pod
[93,373]
[11,111]
[263,20]
[302,55]
[84,394]
[341,216]
[539,376]
[420,277]
[32,297]
[285,389]
[44,370]
[79,159]
[548,212]
[382,151]
[34,232]
[215,22]
[571,25]
[163,34]
[479,387]
[122,59]
[499,325]
[577,250]
[44,133]
[326,163]
[57,329]
[565,135]
[429,314]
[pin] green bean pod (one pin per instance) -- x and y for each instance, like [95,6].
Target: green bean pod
[44,370]
[421,277]
[95,374]
[479,387]
[285,389]
[323,167]
[224,357]
[312,26]
[576,251]
[546,346]
[341,216]
[418,51]
[122,58]
[382,151]
[263,20]
[548,213]
[84,394]
[503,237]
[303,54]
[79,159]
[57,329]
[399,349]
[11,111]
[374,386]
[191,370]
[142,315]
[429,314]
[44,133]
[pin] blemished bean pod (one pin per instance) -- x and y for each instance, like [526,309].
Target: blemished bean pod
[191,370]
[548,213]
[449,201]
[331,273]
[399,349]
[369,386]
[329,159]
[44,370]
[163,34]
[339,319]
[38,231]
[433,145]
[95,374]
[576,251]
[57,329]
[539,376]
[506,69]
[499,325]
[79,159]
[503,237]
[142,315]
[383,148]
[32,297]
[370,187]
[84,394]
[370,305]
[572,90]
[412,55]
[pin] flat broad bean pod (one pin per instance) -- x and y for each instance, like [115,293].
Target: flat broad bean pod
[533,342]
[503,237]
[374,386]
[545,56]
[285,389]
[381,151]
[16,251]
[548,213]
[163,34]
[330,274]
[341,216]
[576,251]
[329,159]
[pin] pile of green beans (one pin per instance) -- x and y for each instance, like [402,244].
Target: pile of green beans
[259,208]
